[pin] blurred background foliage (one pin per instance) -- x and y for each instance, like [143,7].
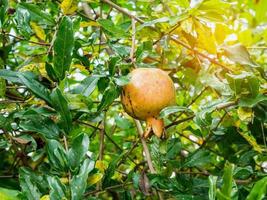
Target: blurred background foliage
[64,134]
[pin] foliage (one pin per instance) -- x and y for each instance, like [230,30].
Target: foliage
[64,133]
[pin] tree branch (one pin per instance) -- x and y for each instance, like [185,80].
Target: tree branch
[145,147]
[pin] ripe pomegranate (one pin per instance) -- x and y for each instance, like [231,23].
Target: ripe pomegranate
[148,92]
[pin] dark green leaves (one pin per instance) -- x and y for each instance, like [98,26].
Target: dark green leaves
[78,150]
[45,126]
[37,13]
[57,155]
[36,87]
[23,22]
[57,189]
[244,84]
[27,79]
[113,30]
[110,94]
[61,105]
[79,181]
[198,159]
[3,8]
[28,185]
[63,47]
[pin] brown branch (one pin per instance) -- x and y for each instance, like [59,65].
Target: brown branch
[145,147]
[67,149]
[133,42]
[123,11]
[33,42]
[179,121]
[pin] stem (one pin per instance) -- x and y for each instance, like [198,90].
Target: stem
[133,42]
[145,147]
[33,42]
[67,149]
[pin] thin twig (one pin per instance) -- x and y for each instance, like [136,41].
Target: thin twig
[133,42]
[145,147]
[67,149]
[33,42]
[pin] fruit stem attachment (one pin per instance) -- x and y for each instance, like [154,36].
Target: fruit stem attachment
[145,147]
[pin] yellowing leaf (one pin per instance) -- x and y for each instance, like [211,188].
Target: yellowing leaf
[45,197]
[64,180]
[100,165]
[221,32]
[69,6]
[38,30]
[80,67]
[245,114]
[91,23]
[245,37]
[251,140]
[93,179]
[205,38]
[187,26]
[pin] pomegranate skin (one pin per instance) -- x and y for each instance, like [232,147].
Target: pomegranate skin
[148,92]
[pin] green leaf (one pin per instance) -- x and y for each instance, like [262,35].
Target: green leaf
[112,65]
[174,147]
[79,181]
[2,87]
[78,150]
[172,109]
[37,14]
[10,75]
[57,189]
[212,187]
[57,155]
[3,8]
[110,94]
[45,126]
[121,81]
[123,123]
[23,22]
[259,190]
[50,71]
[198,159]
[60,104]
[29,188]
[87,86]
[238,54]
[226,191]
[36,87]
[111,28]
[252,101]
[8,194]
[244,84]
[63,47]
[27,79]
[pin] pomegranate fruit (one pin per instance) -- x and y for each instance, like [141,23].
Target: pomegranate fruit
[148,92]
